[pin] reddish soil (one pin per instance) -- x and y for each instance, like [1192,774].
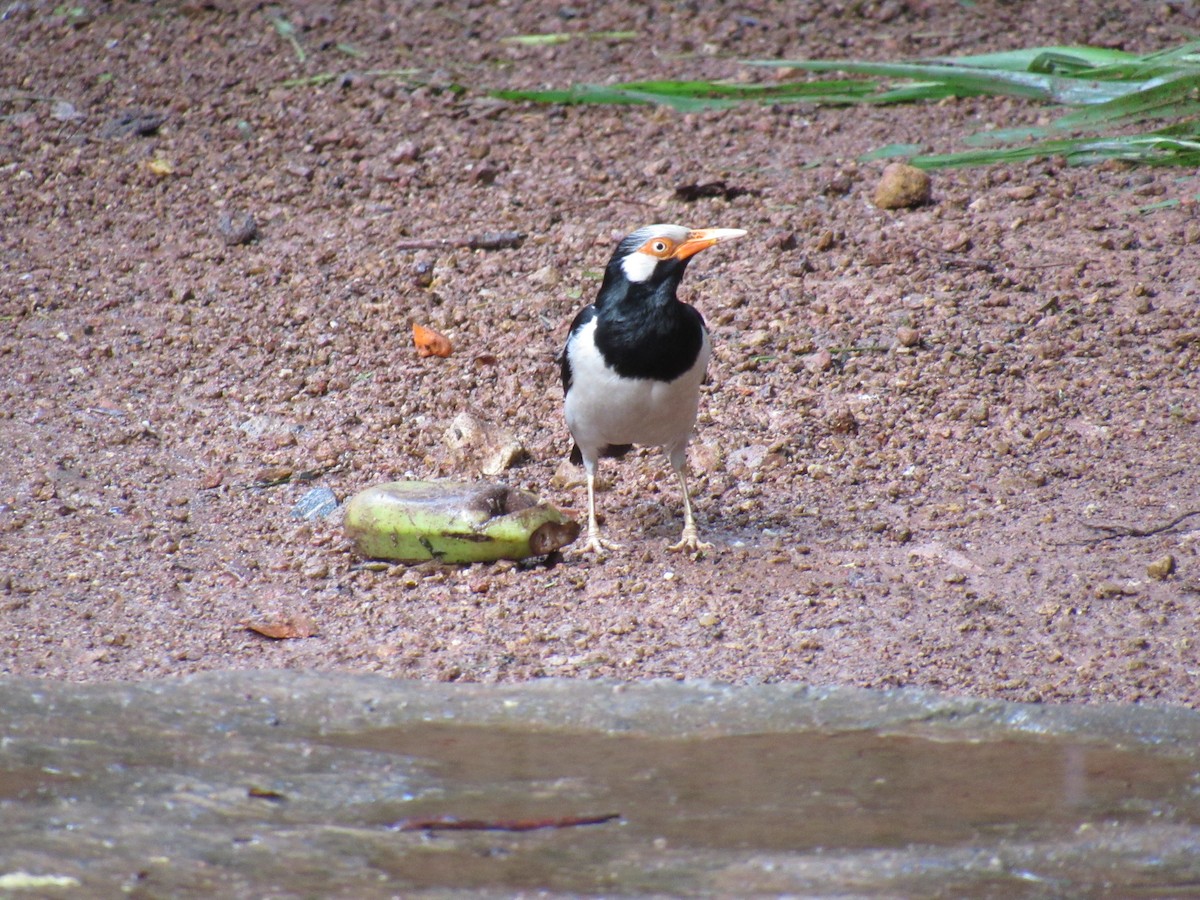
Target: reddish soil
[914,422]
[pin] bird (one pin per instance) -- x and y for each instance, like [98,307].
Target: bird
[634,361]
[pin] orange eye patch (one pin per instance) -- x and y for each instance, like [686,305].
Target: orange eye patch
[659,247]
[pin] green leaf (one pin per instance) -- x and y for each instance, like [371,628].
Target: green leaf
[1113,90]
[965,80]
[695,95]
[891,151]
[1148,149]
[537,40]
[1027,60]
[1177,97]
[561,37]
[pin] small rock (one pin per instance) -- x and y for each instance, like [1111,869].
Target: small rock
[782,240]
[756,338]
[568,476]
[405,151]
[485,175]
[1023,192]
[957,243]
[316,504]
[821,361]
[902,186]
[907,337]
[707,619]
[65,112]
[842,421]
[705,458]
[751,457]
[1162,567]
[258,426]
[241,229]
[132,122]
[546,275]
[657,168]
[496,448]
[299,170]
[839,184]
[315,569]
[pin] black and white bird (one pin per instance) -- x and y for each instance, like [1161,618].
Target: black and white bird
[634,361]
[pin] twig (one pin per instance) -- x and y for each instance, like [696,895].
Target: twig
[986,265]
[491,240]
[288,476]
[450,823]
[11,96]
[1053,265]
[1120,531]
[866,348]
[630,201]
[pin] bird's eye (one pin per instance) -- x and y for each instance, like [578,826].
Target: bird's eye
[660,247]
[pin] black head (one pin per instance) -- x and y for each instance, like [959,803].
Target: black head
[649,263]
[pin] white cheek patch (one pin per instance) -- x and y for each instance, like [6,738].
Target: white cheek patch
[638,266]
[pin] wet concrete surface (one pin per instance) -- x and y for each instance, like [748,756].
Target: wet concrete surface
[287,785]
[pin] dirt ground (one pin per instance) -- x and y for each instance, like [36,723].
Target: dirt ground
[914,419]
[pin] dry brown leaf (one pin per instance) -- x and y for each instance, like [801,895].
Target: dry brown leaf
[283,629]
[430,342]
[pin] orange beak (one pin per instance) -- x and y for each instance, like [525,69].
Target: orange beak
[703,238]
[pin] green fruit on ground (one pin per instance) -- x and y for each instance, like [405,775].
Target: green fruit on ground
[454,522]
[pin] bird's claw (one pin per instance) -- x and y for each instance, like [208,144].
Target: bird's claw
[690,543]
[597,545]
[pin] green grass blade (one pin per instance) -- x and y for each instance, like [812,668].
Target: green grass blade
[287,31]
[696,95]
[1170,99]
[1149,149]
[891,151]
[969,81]
[562,37]
[1027,60]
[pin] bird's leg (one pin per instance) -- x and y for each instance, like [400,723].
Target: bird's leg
[595,543]
[690,541]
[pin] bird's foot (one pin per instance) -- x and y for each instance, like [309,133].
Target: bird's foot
[599,546]
[690,543]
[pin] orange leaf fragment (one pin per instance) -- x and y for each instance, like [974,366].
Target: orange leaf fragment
[264,794]
[283,629]
[430,342]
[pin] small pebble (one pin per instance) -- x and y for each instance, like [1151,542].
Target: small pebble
[1162,567]
[405,151]
[316,504]
[1024,192]
[902,186]
[821,361]
[241,229]
[546,275]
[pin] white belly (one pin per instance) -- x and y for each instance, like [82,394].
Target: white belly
[602,408]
